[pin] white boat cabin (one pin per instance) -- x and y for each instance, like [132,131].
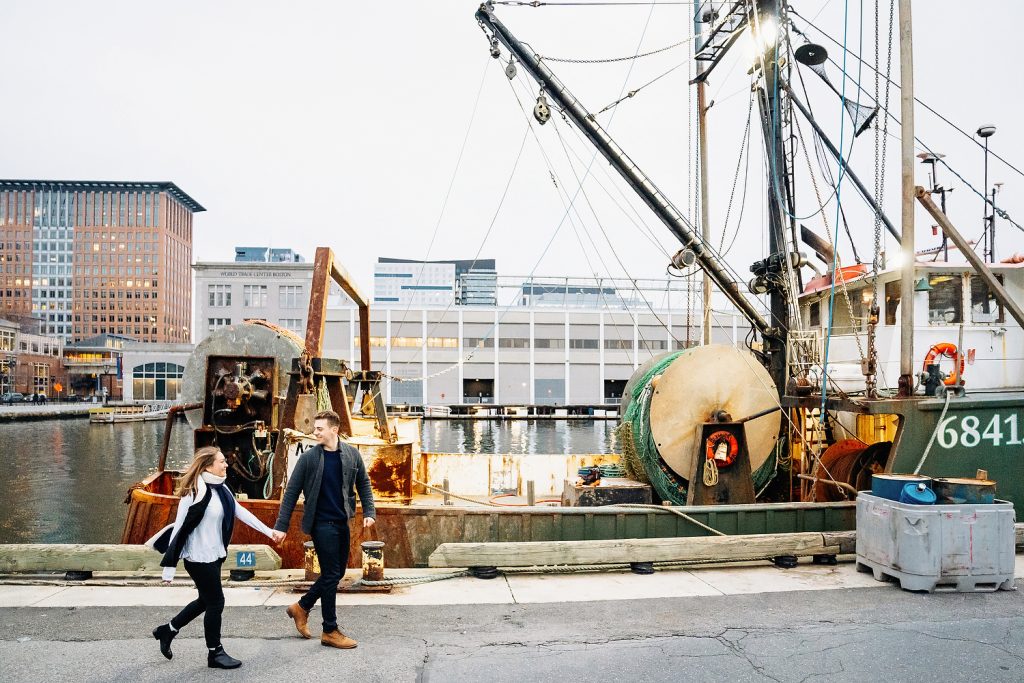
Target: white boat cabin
[946,295]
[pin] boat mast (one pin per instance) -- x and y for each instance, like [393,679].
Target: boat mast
[906,381]
[766,25]
[702,147]
[663,208]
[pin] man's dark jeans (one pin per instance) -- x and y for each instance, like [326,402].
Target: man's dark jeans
[330,540]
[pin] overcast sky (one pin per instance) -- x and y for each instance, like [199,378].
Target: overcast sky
[340,123]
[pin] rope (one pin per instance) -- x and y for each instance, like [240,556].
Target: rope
[410,580]
[612,60]
[662,508]
[453,495]
[935,432]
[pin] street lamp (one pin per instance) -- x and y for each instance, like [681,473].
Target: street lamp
[930,159]
[985,132]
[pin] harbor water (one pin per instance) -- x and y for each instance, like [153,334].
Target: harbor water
[65,481]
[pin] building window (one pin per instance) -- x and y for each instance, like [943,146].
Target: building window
[293,324]
[214,323]
[40,378]
[406,342]
[513,343]
[619,344]
[156,381]
[6,340]
[410,391]
[289,296]
[443,342]
[583,344]
[254,296]
[478,342]
[549,343]
[549,391]
[652,344]
[985,308]
[378,342]
[7,366]
[219,295]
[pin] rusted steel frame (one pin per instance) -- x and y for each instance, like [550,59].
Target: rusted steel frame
[326,269]
[168,426]
[979,265]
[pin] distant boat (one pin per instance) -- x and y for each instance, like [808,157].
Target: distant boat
[436,411]
[137,413]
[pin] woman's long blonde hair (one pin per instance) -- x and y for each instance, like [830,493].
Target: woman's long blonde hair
[204,458]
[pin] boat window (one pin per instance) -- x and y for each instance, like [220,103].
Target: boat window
[892,301]
[945,300]
[985,308]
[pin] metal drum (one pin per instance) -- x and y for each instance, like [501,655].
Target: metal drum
[890,486]
[955,491]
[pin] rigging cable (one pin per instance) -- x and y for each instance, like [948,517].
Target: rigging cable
[897,85]
[451,185]
[554,233]
[839,187]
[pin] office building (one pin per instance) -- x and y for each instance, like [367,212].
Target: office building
[538,354]
[229,292]
[406,282]
[30,363]
[92,258]
[266,255]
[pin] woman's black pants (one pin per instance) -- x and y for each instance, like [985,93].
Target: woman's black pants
[210,602]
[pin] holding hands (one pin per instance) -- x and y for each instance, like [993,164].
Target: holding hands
[278,536]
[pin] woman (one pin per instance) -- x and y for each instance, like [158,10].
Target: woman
[200,536]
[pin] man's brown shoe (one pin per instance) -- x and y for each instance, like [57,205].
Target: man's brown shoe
[337,639]
[301,618]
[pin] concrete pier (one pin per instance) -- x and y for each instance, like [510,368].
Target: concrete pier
[757,623]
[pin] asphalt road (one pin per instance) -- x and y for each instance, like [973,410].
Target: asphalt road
[828,635]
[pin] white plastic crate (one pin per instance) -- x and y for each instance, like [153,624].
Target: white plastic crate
[962,548]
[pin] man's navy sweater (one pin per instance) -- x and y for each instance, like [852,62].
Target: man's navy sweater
[330,507]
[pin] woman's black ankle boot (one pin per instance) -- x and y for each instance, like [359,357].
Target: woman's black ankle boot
[165,635]
[218,659]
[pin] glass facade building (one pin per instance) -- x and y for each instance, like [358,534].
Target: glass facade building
[90,258]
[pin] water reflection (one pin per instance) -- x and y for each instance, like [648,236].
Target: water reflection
[520,436]
[64,481]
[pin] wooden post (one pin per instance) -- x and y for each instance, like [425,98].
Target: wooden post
[906,380]
[976,261]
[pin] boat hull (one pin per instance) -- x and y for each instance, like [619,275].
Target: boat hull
[412,532]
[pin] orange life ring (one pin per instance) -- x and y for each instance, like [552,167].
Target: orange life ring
[949,351]
[732,447]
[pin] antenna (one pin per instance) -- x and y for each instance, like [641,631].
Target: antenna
[814,57]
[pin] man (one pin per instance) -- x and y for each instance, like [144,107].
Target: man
[325,475]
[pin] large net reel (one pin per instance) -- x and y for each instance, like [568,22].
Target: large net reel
[670,398]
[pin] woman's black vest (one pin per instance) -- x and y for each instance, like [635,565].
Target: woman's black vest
[172,547]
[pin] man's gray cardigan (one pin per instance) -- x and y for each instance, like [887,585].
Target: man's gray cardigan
[306,478]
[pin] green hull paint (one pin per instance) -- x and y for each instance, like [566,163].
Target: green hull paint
[979,431]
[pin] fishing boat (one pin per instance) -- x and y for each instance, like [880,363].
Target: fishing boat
[776,436]
[130,413]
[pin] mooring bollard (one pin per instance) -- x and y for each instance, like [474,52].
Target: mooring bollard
[531,495]
[311,563]
[447,498]
[373,560]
